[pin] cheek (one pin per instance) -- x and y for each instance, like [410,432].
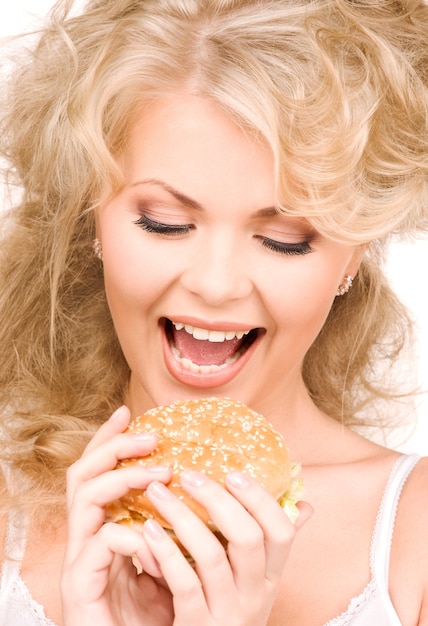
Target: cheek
[302,316]
[135,275]
[300,298]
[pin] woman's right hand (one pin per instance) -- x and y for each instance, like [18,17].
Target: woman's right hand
[100,584]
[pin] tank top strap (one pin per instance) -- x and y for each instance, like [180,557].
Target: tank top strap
[385,521]
[14,549]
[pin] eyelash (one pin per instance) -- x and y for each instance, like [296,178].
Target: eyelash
[158,228]
[290,249]
[150,226]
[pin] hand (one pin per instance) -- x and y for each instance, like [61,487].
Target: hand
[224,588]
[100,584]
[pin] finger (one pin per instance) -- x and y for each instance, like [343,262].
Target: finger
[247,542]
[106,456]
[260,535]
[212,564]
[87,513]
[182,580]
[278,531]
[305,513]
[117,423]
[86,575]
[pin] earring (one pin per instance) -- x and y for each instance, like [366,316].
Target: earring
[345,286]
[98,250]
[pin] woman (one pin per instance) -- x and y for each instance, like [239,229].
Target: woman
[196,171]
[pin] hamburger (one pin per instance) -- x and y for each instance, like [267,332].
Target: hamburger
[213,436]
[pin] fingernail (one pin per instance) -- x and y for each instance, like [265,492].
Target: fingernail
[157,469]
[236,479]
[153,529]
[158,490]
[192,479]
[118,413]
[144,437]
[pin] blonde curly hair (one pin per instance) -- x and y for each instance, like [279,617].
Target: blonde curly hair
[338,89]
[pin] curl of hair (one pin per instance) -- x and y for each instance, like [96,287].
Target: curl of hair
[338,89]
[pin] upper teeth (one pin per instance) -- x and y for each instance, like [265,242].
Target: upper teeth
[216,336]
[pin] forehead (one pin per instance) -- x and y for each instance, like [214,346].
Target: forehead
[196,147]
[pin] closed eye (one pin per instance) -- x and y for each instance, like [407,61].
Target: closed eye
[175,230]
[159,228]
[291,249]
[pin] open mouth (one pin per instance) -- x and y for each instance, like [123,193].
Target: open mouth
[204,351]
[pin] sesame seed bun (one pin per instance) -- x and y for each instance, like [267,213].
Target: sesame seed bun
[212,436]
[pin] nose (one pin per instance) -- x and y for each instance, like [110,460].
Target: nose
[217,272]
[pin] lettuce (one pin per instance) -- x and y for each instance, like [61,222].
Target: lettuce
[293,494]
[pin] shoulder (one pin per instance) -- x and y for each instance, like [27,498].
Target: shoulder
[409,552]
[418,477]
[412,514]
[412,511]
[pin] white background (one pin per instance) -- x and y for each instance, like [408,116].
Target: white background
[407,265]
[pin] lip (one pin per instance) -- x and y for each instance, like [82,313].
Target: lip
[213,379]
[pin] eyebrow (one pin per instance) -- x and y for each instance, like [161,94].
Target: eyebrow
[181,197]
[194,204]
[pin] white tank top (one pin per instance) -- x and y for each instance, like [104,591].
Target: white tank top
[372,607]
[17,607]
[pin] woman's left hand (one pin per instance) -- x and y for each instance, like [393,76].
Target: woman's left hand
[223,588]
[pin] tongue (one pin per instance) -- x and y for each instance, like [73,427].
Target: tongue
[204,352]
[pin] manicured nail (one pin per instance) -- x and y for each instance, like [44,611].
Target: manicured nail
[158,490]
[236,479]
[153,529]
[157,469]
[144,437]
[118,413]
[192,479]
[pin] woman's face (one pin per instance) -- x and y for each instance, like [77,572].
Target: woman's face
[212,292]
